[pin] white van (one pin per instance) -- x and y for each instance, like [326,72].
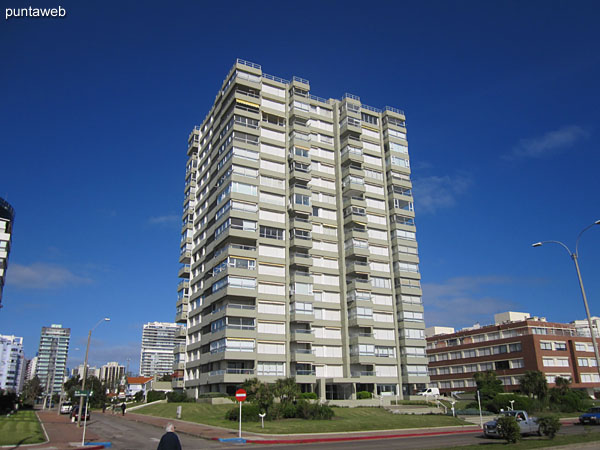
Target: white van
[430,392]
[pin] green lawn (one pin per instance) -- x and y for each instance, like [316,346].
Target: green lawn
[21,428]
[534,442]
[346,419]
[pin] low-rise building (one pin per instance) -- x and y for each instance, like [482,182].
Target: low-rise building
[137,384]
[515,344]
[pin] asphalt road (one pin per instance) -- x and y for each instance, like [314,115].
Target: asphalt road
[129,435]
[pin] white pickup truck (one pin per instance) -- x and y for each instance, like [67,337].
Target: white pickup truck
[527,424]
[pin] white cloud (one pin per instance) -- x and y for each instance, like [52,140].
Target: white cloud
[550,143]
[101,353]
[435,192]
[164,220]
[42,276]
[458,302]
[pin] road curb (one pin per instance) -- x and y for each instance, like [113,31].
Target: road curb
[353,438]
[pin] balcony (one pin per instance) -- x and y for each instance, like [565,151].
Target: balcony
[302,335]
[301,259]
[185,257]
[184,271]
[302,355]
[357,267]
[181,317]
[302,317]
[301,241]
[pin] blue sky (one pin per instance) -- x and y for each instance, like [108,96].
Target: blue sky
[502,111]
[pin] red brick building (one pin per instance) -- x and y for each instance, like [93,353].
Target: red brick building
[515,344]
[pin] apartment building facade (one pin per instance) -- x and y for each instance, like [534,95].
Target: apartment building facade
[112,374]
[12,363]
[298,251]
[7,217]
[52,358]
[510,347]
[158,345]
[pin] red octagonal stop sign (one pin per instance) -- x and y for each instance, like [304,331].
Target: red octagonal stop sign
[240,395]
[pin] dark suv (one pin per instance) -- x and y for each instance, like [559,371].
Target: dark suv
[75,414]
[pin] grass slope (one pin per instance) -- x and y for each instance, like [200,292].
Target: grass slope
[19,429]
[346,419]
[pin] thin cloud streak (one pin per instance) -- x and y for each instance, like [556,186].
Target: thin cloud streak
[459,302]
[164,220]
[434,192]
[550,143]
[42,276]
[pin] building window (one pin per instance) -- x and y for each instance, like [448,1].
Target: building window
[546,345]
[560,346]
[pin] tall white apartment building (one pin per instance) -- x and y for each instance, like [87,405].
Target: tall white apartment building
[158,343]
[52,358]
[298,248]
[7,216]
[12,363]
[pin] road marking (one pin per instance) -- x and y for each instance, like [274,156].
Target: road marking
[155,439]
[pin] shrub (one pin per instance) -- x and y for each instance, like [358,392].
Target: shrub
[282,411]
[364,394]
[249,413]
[178,397]
[508,429]
[213,395]
[502,401]
[569,401]
[549,426]
[156,395]
[139,396]
[313,411]
[308,396]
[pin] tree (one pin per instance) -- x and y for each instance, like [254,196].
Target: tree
[533,383]
[286,389]
[166,377]
[8,400]
[563,385]
[33,389]
[488,385]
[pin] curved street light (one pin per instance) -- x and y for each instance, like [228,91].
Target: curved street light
[87,350]
[574,256]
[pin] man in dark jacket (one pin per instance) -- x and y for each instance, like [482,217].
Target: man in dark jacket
[169,440]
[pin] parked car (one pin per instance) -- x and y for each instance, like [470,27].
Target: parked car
[527,424]
[591,417]
[66,408]
[75,414]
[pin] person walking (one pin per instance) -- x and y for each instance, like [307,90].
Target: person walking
[123,408]
[169,440]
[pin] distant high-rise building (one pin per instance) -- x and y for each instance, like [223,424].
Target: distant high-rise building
[91,371]
[31,368]
[7,216]
[583,327]
[112,373]
[298,245]
[158,342]
[12,363]
[52,358]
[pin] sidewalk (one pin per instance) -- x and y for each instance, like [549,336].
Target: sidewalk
[62,434]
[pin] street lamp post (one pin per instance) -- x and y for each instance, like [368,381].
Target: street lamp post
[87,350]
[574,256]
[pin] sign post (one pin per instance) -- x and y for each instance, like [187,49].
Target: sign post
[240,396]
